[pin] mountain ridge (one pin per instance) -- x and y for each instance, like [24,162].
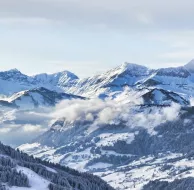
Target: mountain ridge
[134,76]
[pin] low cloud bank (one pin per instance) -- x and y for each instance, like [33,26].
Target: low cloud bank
[17,127]
[101,112]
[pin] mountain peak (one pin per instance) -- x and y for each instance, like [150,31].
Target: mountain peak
[129,66]
[190,66]
[14,70]
[133,69]
[69,74]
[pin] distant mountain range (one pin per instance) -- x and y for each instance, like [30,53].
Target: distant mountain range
[176,79]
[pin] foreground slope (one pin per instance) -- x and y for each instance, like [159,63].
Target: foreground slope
[20,171]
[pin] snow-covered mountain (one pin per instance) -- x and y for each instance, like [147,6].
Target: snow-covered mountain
[38,97]
[127,74]
[13,81]
[176,79]
[60,79]
[22,172]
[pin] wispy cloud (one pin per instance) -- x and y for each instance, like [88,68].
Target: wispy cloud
[25,20]
[178,55]
[124,14]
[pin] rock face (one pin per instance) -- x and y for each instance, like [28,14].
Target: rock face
[18,170]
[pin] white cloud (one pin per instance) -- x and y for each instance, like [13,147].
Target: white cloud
[115,112]
[107,115]
[5,130]
[18,127]
[192,101]
[171,113]
[23,20]
[33,128]
[184,54]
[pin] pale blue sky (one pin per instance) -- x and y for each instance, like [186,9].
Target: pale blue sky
[88,37]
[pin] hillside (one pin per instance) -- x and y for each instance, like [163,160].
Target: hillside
[20,171]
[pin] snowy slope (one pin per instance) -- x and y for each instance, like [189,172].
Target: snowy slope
[35,181]
[163,97]
[22,172]
[39,97]
[190,66]
[169,76]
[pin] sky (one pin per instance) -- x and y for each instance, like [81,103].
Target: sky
[88,37]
